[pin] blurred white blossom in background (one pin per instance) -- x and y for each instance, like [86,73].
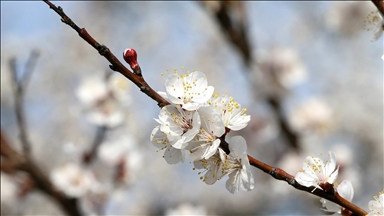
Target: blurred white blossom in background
[105,99]
[279,69]
[187,209]
[347,17]
[374,22]
[312,115]
[73,179]
[9,188]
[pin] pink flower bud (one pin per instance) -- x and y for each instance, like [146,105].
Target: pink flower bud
[130,56]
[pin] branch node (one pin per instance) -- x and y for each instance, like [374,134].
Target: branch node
[143,88]
[113,68]
[102,49]
[292,182]
[272,172]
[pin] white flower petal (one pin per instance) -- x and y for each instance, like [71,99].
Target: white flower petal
[173,155]
[237,166]
[305,179]
[237,146]
[345,190]
[247,181]
[231,184]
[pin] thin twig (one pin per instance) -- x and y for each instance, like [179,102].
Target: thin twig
[287,132]
[276,173]
[100,135]
[28,69]
[25,163]
[104,51]
[19,86]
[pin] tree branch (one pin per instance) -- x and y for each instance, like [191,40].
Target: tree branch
[104,51]
[276,173]
[380,5]
[25,163]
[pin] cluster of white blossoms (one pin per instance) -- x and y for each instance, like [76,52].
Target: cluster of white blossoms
[197,121]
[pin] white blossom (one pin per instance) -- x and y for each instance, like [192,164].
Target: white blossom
[375,22]
[376,207]
[105,99]
[279,69]
[346,17]
[129,167]
[171,155]
[179,125]
[312,115]
[73,180]
[112,151]
[345,190]
[237,166]
[212,166]
[9,189]
[206,142]
[316,173]
[119,87]
[186,209]
[92,90]
[232,115]
[190,90]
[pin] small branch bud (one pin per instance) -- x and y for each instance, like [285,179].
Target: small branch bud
[130,56]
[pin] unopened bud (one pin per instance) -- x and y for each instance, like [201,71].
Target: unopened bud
[130,56]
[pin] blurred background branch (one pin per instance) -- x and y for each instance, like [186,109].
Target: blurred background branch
[15,161]
[234,25]
[231,16]
[19,87]
[90,156]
